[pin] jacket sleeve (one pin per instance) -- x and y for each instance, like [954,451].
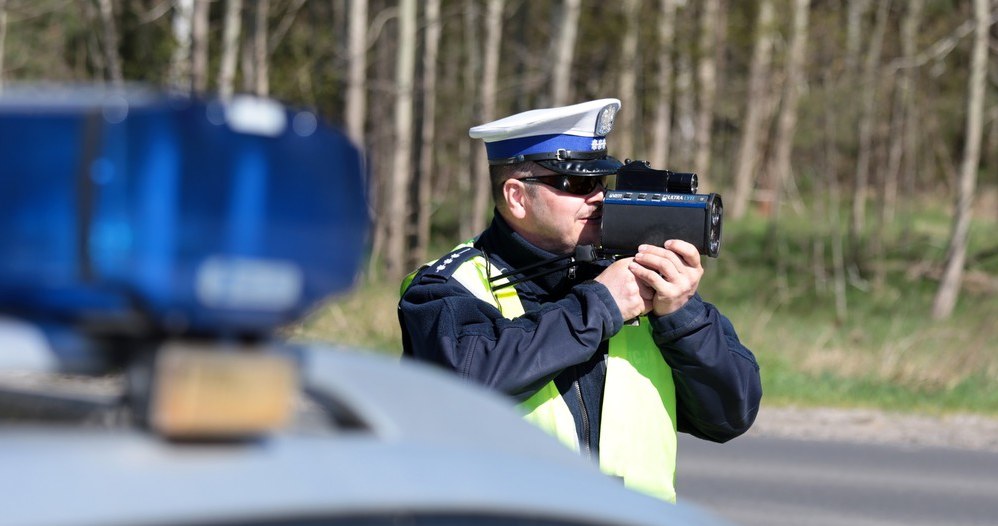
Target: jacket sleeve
[718,387]
[442,322]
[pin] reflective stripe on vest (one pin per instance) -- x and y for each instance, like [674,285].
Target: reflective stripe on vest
[638,420]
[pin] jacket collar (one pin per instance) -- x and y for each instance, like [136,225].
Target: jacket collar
[501,242]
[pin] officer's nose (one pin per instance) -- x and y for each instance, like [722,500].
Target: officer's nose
[598,193]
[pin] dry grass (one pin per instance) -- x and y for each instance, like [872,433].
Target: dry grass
[365,318]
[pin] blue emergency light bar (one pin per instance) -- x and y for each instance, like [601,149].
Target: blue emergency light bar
[128,210]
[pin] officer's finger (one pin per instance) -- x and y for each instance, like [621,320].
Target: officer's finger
[674,261]
[684,254]
[665,262]
[652,278]
[647,293]
[685,250]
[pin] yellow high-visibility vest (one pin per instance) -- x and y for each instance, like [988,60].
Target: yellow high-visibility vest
[638,420]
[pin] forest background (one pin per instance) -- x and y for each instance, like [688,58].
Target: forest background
[855,144]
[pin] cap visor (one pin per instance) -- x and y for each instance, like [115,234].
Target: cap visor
[595,167]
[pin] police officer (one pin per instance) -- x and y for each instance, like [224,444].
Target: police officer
[612,359]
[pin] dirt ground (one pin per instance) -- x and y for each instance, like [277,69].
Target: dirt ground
[872,426]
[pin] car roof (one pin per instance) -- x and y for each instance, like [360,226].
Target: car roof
[405,439]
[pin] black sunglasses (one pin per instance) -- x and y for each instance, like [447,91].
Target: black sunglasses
[572,184]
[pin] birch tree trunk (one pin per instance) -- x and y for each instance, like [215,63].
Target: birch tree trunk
[757,110]
[782,168]
[247,51]
[425,182]
[856,10]
[111,56]
[868,118]
[490,78]
[261,56]
[624,138]
[563,52]
[685,111]
[706,84]
[834,206]
[180,62]
[905,149]
[912,133]
[992,158]
[95,51]
[956,254]
[380,137]
[356,94]
[662,127]
[398,190]
[199,35]
[230,47]
[901,121]
[884,212]
[3,38]
[469,151]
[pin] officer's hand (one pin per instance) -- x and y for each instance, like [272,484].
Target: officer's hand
[626,289]
[672,270]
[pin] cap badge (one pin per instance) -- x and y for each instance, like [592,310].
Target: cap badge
[604,123]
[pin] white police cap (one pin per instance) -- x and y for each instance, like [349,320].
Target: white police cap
[568,139]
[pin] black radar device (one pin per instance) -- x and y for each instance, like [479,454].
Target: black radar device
[649,206]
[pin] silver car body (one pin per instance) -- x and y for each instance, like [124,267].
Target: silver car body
[416,446]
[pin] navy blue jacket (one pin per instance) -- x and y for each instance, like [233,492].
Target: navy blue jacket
[563,336]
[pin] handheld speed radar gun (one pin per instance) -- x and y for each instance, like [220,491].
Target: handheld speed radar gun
[652,206]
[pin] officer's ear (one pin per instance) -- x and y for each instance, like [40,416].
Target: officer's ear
[514,192]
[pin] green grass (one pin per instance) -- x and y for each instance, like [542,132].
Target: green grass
[883,351]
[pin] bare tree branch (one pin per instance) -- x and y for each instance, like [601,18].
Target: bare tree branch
[156,12]
[942,47]
[285,25]
[378,24]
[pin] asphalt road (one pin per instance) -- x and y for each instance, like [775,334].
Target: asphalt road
[776,481]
